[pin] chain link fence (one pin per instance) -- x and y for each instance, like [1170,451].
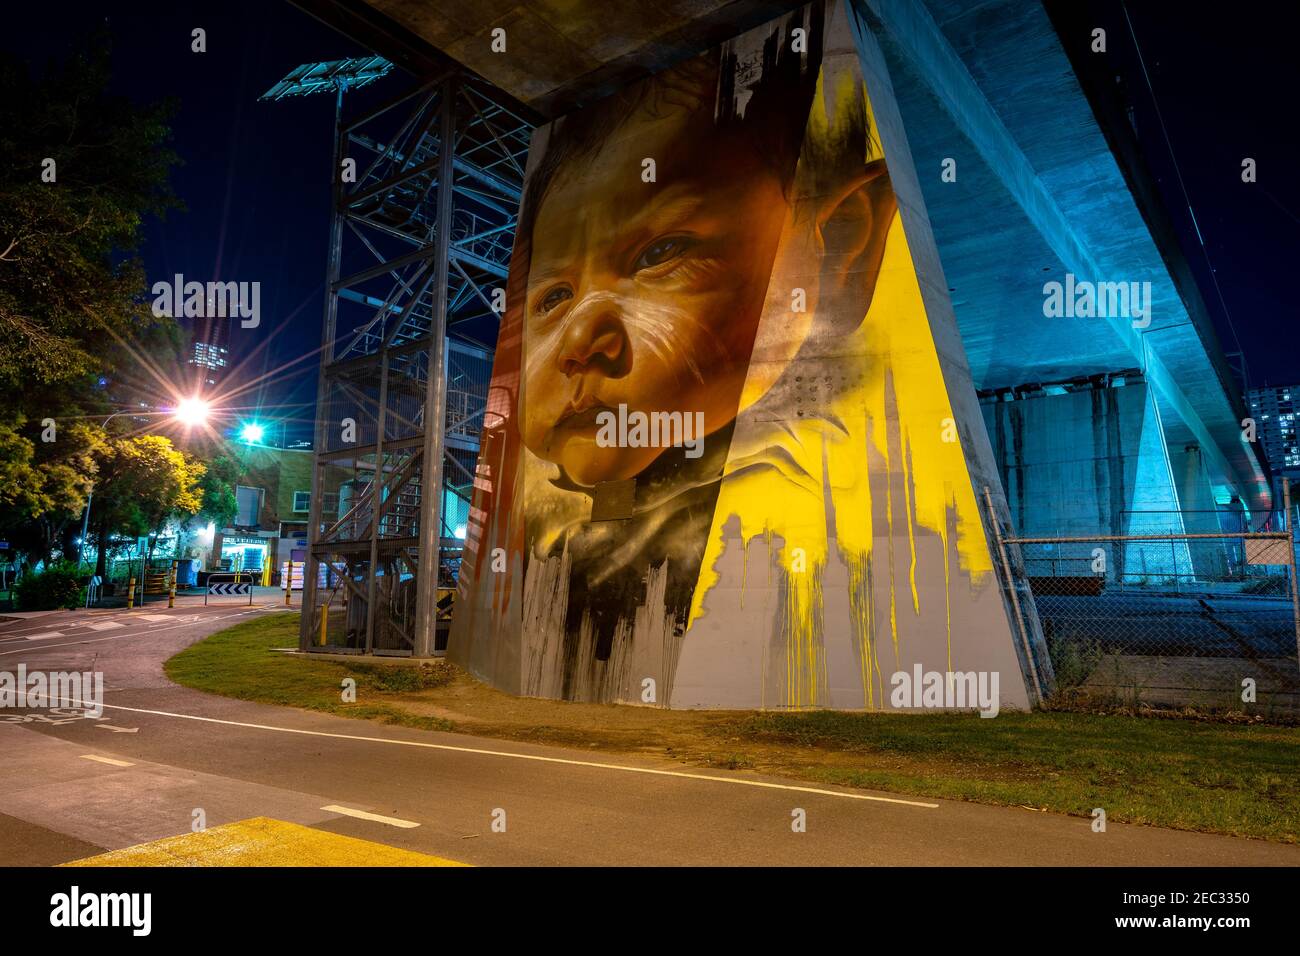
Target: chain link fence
[1207,620]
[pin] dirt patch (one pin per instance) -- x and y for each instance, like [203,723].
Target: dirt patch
[702,738]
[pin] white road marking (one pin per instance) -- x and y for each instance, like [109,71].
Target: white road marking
[118,637]
[108,760]
[103,625]
[49,647]
[736,781]
[16,632]
[155,617]
[43,636]
[376,818]
[119,730]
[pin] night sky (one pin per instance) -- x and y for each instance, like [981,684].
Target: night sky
[255,178]
[1226,79]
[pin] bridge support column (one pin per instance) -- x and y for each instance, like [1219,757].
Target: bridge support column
[1089,458]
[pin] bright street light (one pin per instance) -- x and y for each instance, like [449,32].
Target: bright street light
[192,411]
[252,433]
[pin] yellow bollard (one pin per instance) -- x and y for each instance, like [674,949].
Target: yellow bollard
[324,622]
[288,585]
[130,593]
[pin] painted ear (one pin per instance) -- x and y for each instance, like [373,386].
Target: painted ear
[852,225]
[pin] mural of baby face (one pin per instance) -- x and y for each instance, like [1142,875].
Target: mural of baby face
[645,294]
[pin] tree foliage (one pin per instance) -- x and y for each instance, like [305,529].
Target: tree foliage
[44,485]
[66,305]
[219,503]
[80,169]
[145,481]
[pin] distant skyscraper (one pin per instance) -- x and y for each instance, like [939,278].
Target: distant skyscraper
[1274,411]
[211,356]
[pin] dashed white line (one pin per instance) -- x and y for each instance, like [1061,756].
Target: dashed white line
[43,636]
[108,760]
[373,817]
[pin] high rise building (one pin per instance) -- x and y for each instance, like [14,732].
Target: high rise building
[1274,410]
[210,356]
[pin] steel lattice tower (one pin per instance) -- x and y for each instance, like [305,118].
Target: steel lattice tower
[426,192]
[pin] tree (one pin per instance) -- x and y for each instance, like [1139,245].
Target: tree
[81,169]
[144,482]
[44,486]
[218,491]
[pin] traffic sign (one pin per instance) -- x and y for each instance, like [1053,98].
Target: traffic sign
[233,587]
[236,587]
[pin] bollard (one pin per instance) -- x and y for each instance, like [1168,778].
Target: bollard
[130,593]
[288,585]
[324,622]
[171,587]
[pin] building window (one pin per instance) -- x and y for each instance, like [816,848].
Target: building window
[301,501]
[249,501]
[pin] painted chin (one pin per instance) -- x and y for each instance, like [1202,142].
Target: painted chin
[588,464]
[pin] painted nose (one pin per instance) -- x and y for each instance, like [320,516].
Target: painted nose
[595,340]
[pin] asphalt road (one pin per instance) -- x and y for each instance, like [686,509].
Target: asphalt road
[74,786]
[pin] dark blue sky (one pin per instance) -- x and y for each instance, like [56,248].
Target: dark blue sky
[1225,78]
[256,177]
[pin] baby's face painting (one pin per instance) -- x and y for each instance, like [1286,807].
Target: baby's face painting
[645,294]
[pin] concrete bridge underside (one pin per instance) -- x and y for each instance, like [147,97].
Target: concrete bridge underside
[1042,189]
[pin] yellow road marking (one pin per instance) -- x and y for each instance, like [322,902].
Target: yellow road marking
[262,841]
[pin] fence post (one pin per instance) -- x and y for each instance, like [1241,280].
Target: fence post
[1015,598]
[1291,547]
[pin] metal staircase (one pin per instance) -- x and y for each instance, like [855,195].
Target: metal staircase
[419,242]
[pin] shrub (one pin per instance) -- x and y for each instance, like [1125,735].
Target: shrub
[57,586]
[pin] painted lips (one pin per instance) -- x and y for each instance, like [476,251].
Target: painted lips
[575,419]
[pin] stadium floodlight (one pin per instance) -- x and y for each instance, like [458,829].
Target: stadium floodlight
[329,76]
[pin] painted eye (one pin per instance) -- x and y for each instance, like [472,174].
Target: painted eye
[661,251]
[554,297]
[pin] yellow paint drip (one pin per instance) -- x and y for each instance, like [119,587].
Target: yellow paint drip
[891,400]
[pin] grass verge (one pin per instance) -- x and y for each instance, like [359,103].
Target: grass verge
[237,663]
[1241,779]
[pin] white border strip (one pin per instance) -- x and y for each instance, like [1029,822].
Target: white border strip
[737,781]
